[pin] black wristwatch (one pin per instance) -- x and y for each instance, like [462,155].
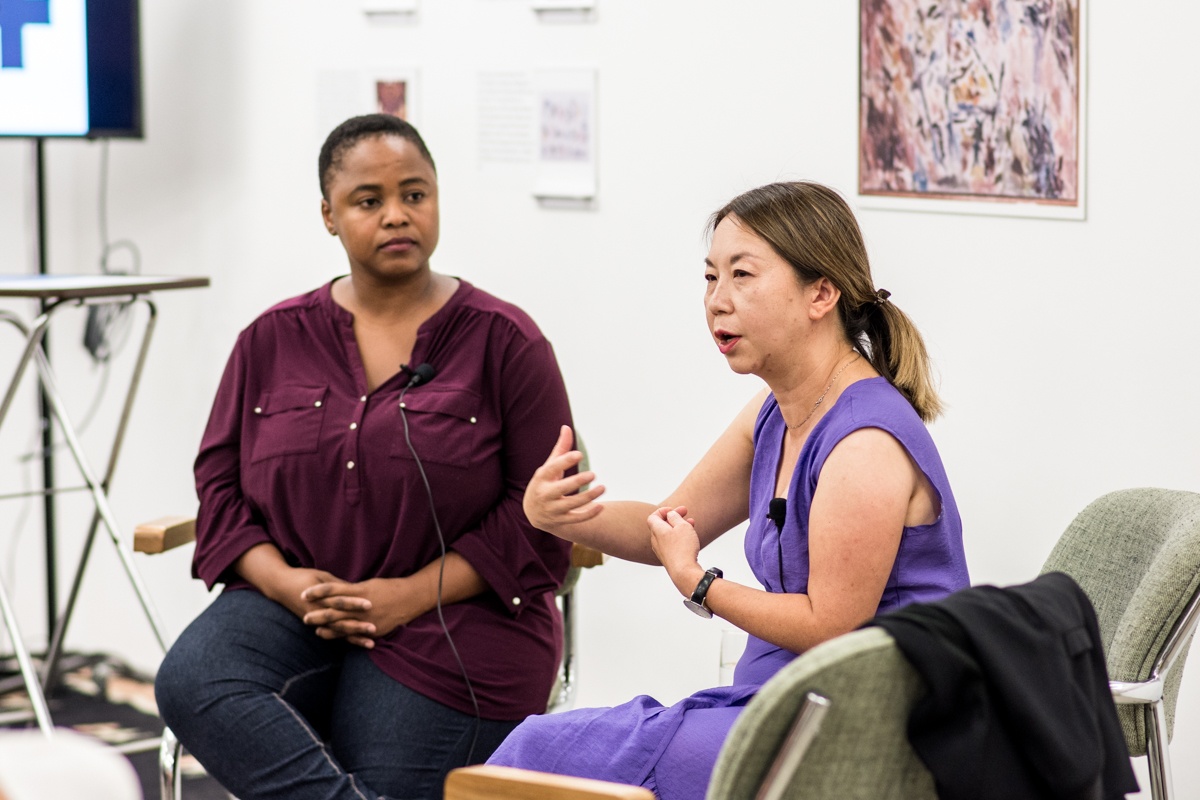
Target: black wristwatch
[696,601]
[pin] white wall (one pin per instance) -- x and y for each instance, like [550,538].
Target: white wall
[1063,347]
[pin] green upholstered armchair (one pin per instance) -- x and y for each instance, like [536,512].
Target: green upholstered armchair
[1136,553]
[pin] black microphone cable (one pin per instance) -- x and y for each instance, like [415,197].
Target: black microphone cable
[107,325]
[424,373]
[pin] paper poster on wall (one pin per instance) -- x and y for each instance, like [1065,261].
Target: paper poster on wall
[349,93]
[972,107]
[507,118]
[566,135]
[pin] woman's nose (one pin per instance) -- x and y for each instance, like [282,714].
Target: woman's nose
[395,212]
[716,299]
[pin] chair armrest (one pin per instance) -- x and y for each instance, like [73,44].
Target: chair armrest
[1136,692]
[586,557]
[507,783]
[166,533]
[163,534]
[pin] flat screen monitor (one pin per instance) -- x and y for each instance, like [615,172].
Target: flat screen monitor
[70,68]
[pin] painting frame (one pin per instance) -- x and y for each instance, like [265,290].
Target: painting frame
[1030,120]
[341,94]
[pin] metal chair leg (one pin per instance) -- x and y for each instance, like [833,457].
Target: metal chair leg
[1158,757]
[1148,695]
[564,688]
[169,754]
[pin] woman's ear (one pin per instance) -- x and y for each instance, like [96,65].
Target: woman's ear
[327,216]
[823,298]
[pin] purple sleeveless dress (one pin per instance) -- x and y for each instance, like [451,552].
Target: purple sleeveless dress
[672,749]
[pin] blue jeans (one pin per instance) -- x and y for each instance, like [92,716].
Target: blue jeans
[274,712]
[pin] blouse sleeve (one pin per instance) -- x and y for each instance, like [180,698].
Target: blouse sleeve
[226,525]
[517,560]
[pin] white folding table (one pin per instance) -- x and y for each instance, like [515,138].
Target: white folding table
[57,292]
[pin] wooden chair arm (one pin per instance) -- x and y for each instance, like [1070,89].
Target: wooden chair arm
[586,557]
[164,533]
[485,782]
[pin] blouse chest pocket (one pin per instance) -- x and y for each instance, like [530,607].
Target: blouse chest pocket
[442,424]
[287,420]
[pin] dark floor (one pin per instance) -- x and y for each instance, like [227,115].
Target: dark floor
[105,699]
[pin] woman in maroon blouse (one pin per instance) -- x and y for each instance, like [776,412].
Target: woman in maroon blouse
[388,611]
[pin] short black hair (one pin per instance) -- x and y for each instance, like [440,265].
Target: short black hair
[353,131]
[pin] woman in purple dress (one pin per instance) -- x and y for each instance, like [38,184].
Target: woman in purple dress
[850,510]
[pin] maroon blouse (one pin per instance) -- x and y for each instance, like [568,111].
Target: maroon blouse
[298,453]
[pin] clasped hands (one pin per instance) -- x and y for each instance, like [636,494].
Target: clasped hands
[360,612]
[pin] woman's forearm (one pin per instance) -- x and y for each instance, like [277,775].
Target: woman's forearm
[784,620]
[262,566]
[459,582]
[618,530]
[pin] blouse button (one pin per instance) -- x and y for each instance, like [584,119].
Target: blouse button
[403,405]
[516,601]
[317,404]
[362,399]
[472,420]
[258,410]
[349,465]
[353,425]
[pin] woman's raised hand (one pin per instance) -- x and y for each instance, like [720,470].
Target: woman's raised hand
[553,501]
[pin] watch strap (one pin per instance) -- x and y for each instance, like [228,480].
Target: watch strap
[697,602]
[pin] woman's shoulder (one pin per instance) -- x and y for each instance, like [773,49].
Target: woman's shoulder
[871,403]
[281,318]
[471,300]
[876,403]
[300,302]
[876,399]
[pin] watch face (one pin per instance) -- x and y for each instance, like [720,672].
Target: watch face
[698,609]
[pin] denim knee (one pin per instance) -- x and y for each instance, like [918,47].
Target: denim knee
[173,685]
[242,647]
[196,660]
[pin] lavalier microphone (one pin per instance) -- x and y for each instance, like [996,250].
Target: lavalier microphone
[777,511]
[421,374]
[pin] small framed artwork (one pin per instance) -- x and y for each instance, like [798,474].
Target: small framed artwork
[391,96]
[973,106]
[347,93]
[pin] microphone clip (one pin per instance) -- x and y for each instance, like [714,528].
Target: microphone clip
[420,374]
[777,511]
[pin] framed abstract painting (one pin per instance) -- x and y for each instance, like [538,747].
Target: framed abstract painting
[972,106]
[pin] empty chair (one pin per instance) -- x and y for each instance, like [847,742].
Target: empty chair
[1136,553]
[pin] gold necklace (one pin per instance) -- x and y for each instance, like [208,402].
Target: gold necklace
[829,386]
